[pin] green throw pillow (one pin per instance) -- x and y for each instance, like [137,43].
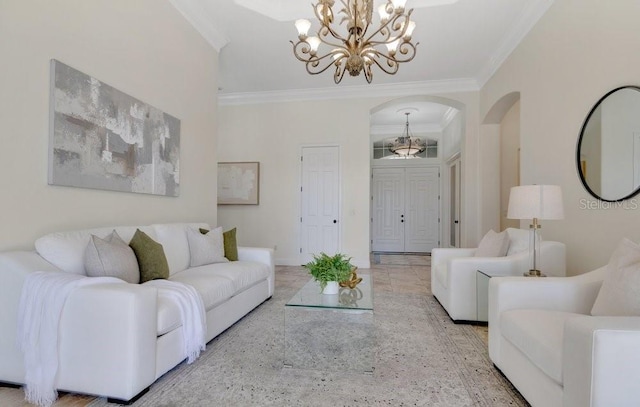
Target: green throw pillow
[151,258]
[230,243]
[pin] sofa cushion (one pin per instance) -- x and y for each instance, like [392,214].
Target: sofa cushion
[243,274]
[212,288]
[620,292]
[151,258]
[493,245]
[111,257]
[205,248]
[173,237]
[65,250]
[538,335]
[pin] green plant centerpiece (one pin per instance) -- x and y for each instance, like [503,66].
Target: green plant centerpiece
[325,268]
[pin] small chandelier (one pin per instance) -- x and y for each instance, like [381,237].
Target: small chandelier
[406,145]
[357,49]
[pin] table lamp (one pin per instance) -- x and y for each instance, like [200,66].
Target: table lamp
[535,202]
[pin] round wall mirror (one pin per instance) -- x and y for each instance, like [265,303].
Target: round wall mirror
[608,153]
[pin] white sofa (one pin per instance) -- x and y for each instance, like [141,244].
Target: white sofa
[544,341]
[115,339]
[453,271]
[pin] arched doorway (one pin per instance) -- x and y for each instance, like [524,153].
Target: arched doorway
[415,201]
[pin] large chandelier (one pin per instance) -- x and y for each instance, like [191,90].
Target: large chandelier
[358,45]
[406,145]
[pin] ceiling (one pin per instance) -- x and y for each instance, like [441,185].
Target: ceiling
[461,44]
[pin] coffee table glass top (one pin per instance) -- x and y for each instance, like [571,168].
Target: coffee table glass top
[360,298]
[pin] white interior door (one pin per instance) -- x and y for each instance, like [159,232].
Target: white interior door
[454,204]
[387,210]
[320,199]
[422,227]
[405,209]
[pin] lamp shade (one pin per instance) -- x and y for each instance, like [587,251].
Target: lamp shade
[535,201]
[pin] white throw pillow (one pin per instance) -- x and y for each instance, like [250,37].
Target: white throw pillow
[620,291]
[518,240]
[111,257]
[493,245]
[206,249]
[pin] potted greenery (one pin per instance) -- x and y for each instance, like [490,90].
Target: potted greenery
[330,270]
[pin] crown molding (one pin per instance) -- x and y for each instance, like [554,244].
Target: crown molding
[350,92]
[520,29]
[200,18]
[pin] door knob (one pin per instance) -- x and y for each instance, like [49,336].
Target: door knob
[335,221]
[455,221]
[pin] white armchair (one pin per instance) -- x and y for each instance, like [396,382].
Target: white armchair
[544,341]
[453,271]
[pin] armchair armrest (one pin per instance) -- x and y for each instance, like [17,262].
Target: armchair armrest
[601,361]
[570,294]
[461,275]
[107,340]
[442,255]
[260,255]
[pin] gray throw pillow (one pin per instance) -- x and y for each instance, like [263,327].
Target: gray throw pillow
[206,249]
[111,257]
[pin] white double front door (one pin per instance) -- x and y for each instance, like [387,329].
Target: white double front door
[405,210]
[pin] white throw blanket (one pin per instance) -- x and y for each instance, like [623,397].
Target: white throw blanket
[41,302]
[192,314]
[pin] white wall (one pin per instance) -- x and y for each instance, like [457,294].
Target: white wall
[144,48]
[273,134]
[509,162]
[452,137]
[579,50]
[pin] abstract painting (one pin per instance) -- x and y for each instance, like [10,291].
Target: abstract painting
[238,183]
[102,138]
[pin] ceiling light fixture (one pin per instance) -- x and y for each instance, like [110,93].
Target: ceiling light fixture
[355,50]
[406,145]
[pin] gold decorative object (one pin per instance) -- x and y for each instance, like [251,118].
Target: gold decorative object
[353,280]
[350,297]
[354,47]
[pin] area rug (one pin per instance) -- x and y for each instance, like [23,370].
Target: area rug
[421,359]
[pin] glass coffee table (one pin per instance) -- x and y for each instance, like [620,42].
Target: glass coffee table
[330,332]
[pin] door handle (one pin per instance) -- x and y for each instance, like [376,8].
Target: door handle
[402,221]
[335,221]
[455,221]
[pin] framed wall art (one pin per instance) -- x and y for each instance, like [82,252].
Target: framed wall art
[238,183]
[102,138]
